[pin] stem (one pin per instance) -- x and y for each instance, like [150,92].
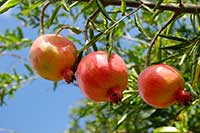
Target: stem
[61,28]
[147,63]
[42,18]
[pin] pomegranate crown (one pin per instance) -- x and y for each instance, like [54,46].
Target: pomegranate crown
[114,95]
[183,97]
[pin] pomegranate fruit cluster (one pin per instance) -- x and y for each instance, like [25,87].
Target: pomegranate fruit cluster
[104,79]
[101,79]
[161,86]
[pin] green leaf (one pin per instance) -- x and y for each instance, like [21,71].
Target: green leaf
[166,130]
[65,5]
[139,26]
[53,16]
[182,59]
[86,7]
[109,46]
[19,32]
[92,36]
[55,85]
[147,8]
[9,4]
[32,7]
[175,38]
[29,69]
[17,77]
[122,119]
[75,29]
[103,10]
[158,4]
[2,2]
[193,22]
[198,19]
[123,6]
[197,73]
[176,47]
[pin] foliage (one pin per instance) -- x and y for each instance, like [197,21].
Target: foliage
[142,35]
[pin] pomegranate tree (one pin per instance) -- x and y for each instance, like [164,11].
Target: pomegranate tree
[102,79]
[53,56]
[161,86]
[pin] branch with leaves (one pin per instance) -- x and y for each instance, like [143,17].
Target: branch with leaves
[184,8]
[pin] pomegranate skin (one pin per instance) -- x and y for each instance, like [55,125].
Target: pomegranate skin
[161,85]
[100,79]
[52,55]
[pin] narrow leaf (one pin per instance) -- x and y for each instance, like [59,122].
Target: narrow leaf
[9,4]
[2,2]
[29,69]
[193,22]
[158,4]
[91,36]
[86,7]
[123,7]
[53,16]
[122,119]
[175,38]
[109,45]
[147,8]
[197,73]
[182,59]
[65,5]
[166,129]
[198,19]
[19,32]
[32,7]
[139,26]
[55,85]
[75,29]
[103,10]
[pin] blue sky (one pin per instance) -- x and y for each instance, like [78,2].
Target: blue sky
[35,108]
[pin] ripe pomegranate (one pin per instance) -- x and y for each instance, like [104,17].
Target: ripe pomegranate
[53,56]
[161,86]
[102,79]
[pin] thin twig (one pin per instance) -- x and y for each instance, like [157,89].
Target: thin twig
[127,15]
[94,14]
[147,63]
[13,55]
[61,28]
[42,17]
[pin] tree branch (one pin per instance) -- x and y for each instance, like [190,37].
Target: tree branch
[147,63]
[184,8]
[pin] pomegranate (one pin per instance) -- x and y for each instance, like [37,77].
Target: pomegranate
[102,79]
[161,86]
[53,56]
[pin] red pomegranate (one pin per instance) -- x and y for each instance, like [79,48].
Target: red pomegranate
[161,86]
[53,56]
[102,79]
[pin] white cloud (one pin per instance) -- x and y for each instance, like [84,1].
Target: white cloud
[4,130]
